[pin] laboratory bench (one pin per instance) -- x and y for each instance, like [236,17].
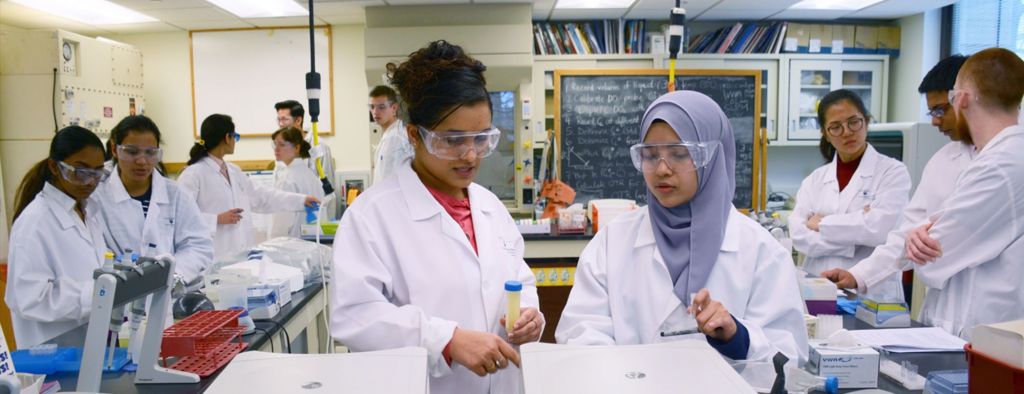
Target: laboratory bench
[302,319]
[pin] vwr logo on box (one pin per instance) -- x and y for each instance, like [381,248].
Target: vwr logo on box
[855,368]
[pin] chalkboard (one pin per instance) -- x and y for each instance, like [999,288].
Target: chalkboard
[599,114]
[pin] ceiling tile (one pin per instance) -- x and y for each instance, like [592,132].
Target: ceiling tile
[577,14]
[212,25]
[776,5]
[27,18]
[897,9]
[142,5]
[285,21]
[191,14]
[811,14]
[425,2]
[149,27]
[715,14]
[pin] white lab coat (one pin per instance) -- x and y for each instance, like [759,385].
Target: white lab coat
[406,275]
[49,269]
[214,195]
[848,234]
[173,223]
[981,230]
[623,293]
[393,151]
[295,178]
[937,182]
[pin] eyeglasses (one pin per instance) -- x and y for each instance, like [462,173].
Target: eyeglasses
[853,124]
[381,107]
[680,157]
[454,144]
[82,176]
[236,136]
[285,120]
[938,111]
[132,153]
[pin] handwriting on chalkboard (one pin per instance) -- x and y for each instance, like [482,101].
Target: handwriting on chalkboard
[600,115]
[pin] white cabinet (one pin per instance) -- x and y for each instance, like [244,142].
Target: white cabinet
[810,80]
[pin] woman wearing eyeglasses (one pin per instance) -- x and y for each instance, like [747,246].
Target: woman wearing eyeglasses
[846,208]
[140,207]
[225,195]
[295,176]
[421,258]
[57,239]
[689,265]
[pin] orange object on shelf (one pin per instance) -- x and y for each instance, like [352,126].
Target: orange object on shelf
[988,375]
[559,195]
[205,341]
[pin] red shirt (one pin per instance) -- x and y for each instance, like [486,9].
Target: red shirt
[459,211]
[844,171]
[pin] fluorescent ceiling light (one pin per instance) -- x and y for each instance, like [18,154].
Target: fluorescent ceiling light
[847,5]
[592,4]
[261,8]
[93,12]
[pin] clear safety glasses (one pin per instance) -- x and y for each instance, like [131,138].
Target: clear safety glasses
[453,145]
[680,157]
[282,145]
[132,153]
[82,176]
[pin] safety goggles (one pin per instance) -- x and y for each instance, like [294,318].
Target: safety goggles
[236,136]
[132,153]
[281,145]
[680,157]
[379,107]
[938,111]
[453,145]
[82,176]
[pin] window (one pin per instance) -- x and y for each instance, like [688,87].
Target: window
[980,24]
[497,171]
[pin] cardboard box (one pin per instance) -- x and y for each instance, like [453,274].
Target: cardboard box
[865,39]
[855,368]
[1001,341]
[819,39]
[889,40]
[843,38]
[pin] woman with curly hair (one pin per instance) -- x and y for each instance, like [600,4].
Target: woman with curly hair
[422,256]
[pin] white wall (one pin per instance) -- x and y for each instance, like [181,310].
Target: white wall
[919,52]
[168,96]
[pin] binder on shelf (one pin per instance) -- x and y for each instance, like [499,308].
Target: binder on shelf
[865,39]
[889,40]
[797,38]
[843,38]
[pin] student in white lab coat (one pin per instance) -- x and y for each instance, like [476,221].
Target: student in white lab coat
[845,208]
[421,257]
[394,150]
[937,182]
[290,113]
[224,193]
[971,248]
[635,279]
[140,207]
[57,239]
[294,176]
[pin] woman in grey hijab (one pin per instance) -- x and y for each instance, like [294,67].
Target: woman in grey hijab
[688,265]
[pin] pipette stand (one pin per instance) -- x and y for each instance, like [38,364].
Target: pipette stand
[115,290]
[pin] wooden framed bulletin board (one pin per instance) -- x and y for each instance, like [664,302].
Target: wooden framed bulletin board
[598,115]
[243,72]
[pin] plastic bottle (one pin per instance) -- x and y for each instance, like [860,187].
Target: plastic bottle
[311,213]
[108,261]
[512,290]
[245,320]
[799,380]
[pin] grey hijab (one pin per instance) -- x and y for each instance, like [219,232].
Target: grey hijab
[690,236]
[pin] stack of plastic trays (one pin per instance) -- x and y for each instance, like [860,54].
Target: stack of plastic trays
[204,342]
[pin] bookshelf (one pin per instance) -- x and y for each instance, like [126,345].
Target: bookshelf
[783,114]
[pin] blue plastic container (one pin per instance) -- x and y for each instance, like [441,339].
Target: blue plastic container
[65,359]
[947,382]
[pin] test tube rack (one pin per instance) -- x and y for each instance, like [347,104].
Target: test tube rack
[204,342]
